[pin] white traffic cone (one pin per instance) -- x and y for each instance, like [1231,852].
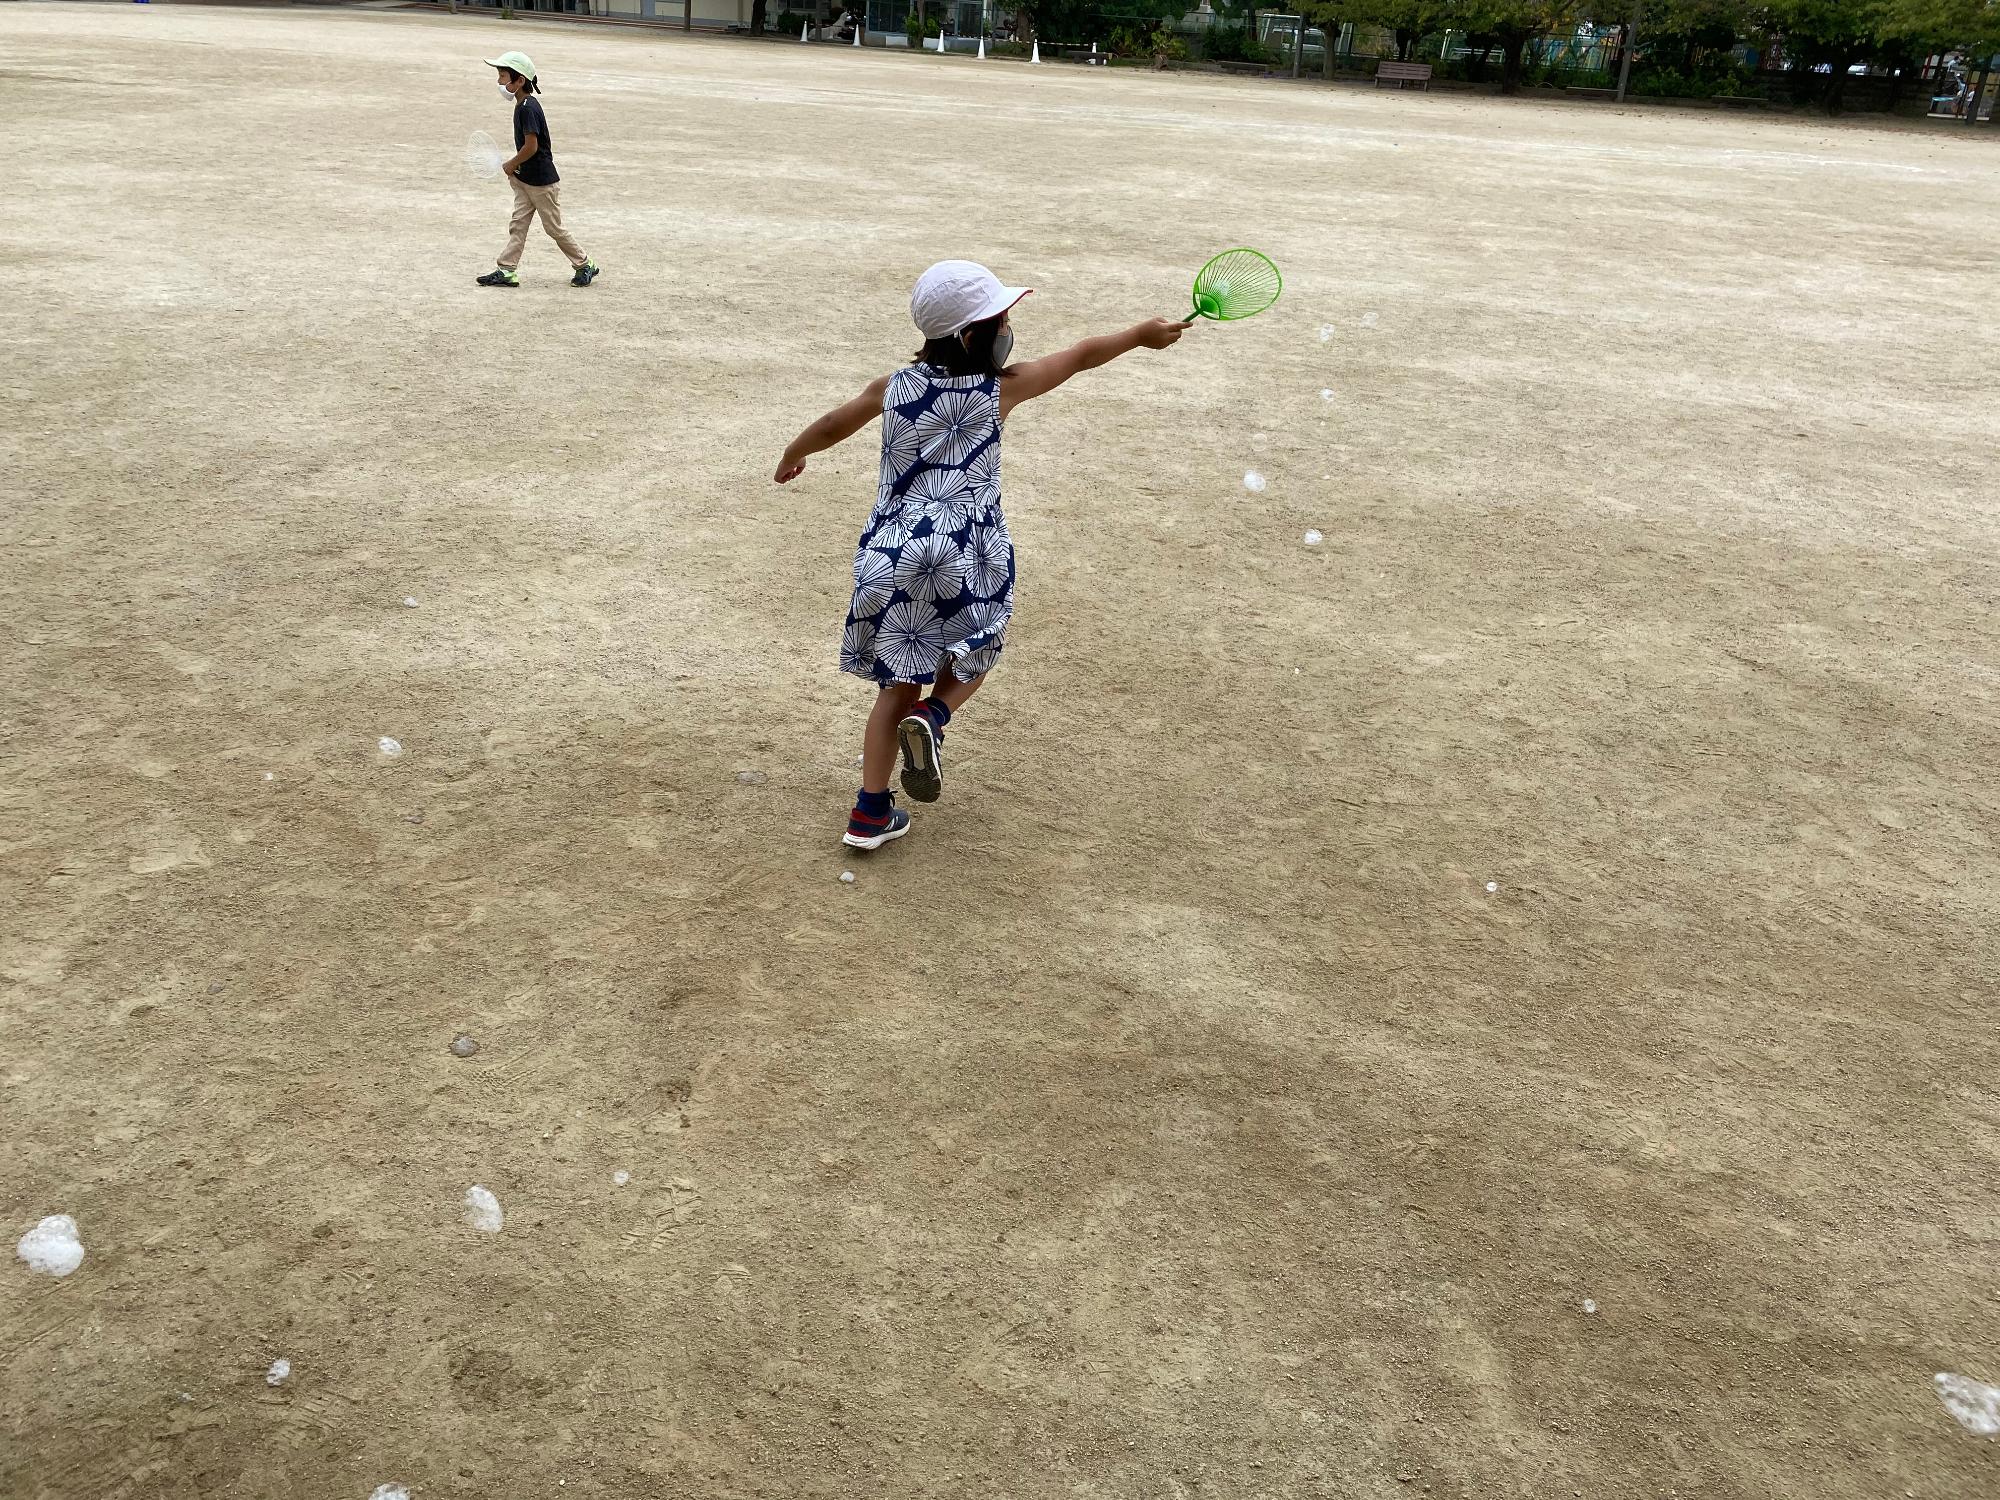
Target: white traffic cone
[1037,57]
[859,27]
[804,26]
[982,48]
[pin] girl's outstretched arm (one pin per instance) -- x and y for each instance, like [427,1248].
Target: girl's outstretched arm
[1038,377]
[837,426]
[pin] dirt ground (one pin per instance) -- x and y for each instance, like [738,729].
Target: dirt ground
[1178,1112]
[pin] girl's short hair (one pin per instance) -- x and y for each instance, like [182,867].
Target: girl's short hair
[968,353]
[533,86]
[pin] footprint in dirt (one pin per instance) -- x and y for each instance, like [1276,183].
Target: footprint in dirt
[490,1378]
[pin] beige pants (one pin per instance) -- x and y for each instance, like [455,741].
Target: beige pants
[529,201]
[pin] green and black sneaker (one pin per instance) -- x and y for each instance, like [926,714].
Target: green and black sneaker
[500,277]
[586,273]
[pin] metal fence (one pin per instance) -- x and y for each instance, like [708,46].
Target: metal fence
[968,18]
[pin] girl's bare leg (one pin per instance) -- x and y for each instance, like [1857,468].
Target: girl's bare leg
[950,691]
[893,703]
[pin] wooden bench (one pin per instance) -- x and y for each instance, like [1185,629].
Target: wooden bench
[1402,74]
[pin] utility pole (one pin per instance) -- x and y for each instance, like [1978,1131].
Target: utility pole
[1631,38]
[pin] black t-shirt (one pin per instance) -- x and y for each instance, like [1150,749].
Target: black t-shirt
[538,170]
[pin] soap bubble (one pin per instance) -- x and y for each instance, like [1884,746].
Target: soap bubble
[619,1179]
[1368,319]
[483,156]
[1492,886]
[408,602]
[1326,393]
[1326,333]
[1589,1306]
[482,1210]
[847,877]
[1254,482]
[279,1372]
[1313,538]
[463,1046]
[52,1246]
[1973,1405]
[388,746]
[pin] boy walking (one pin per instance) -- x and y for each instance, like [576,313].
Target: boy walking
[532,172]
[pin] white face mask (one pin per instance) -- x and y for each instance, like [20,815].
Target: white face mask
[506,93]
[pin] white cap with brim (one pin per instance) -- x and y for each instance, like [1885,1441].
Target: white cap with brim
[954,294]
[517,61]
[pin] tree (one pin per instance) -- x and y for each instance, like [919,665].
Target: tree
[1513,24]
[1683,34]
[1328,16]
[1094,20]
[1822,39]
[1409,21]
[1968,26]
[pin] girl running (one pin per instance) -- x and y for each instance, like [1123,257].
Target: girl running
[934,574]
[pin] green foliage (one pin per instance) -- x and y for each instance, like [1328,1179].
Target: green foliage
[1736,81]
[1095,20]
[1233,44]
[1945,25]
[1561,75]
[1686,47]
[1409,21]
[1157,42]
[921,29]
[1835,32]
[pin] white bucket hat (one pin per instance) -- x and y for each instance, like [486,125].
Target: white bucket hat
[954,294]
[514,61]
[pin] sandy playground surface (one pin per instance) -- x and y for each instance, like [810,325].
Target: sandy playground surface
[1179,1112]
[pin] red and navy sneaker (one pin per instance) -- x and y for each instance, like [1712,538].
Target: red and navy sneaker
[923,755]
[865,832]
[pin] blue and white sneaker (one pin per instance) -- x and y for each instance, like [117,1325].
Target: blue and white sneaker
[864,832]
[923,756]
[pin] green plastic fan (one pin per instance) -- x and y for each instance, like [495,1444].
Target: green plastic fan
[1236,284]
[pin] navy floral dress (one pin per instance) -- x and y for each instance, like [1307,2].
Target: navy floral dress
[934,574]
